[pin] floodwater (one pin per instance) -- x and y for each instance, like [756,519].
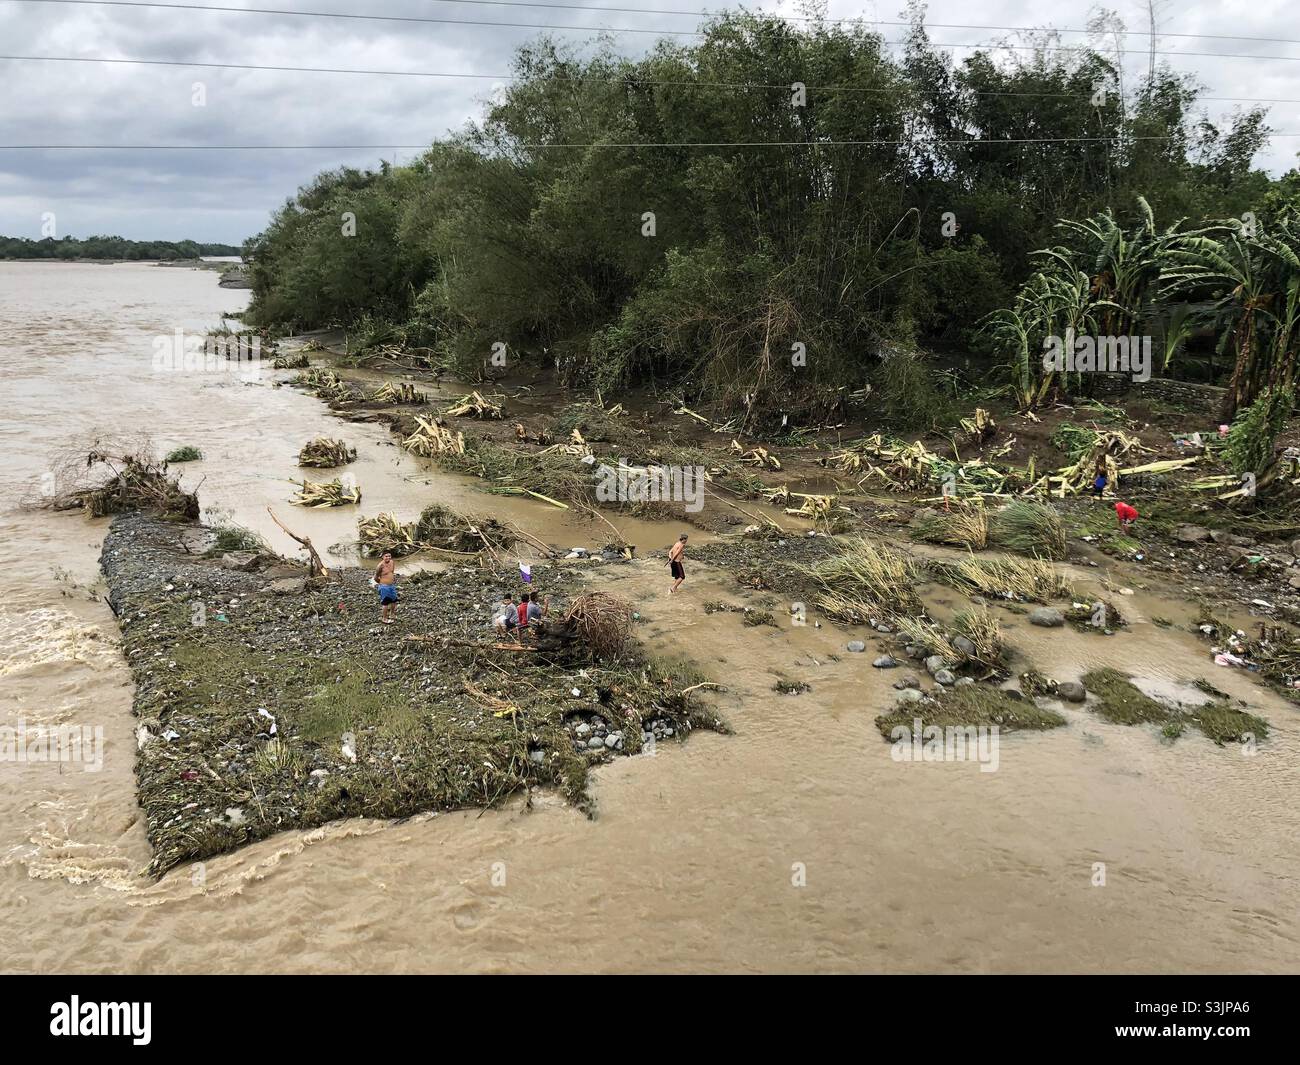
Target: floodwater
[797,844]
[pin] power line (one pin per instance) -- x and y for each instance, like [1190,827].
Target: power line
[783,18]
[657,82]
[611,29]
[913,142]
[868,21]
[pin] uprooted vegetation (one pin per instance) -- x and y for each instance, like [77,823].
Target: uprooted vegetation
[1005,577]
[297,709]
[439,531]
[865,581]
[326,453]
[112,483]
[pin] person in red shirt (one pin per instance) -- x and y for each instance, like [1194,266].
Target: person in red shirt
[1126,516]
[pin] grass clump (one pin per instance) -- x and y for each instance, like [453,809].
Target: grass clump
[966,525]
[1028,528]
[1006,577]
[866,581]
[188,453]
[754,618]
[968,707]
[227,538]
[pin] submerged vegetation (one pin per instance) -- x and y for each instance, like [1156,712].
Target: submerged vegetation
[1120,701]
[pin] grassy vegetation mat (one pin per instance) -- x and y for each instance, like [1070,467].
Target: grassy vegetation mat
[971,706]
[263,707]
[1119,701]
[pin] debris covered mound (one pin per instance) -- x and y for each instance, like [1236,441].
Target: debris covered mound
[117,484]
[326,453]
[438,530]
[290,706]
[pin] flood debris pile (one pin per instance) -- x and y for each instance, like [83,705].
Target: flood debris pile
[326,494]
[430,438]
[326,453]
[286,707]
[1028,528]
[439,530]
[1119,701]
[475,405]
[327,385]
[110,483]
[397,392]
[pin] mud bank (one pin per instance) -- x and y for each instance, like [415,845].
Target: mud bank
[267,700]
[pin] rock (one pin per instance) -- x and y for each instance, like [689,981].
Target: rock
[611,741]
[319,774]
[583,730]
[1191,534]
[1072,691]
[240,560]
[1219,536]
[1295,548]
[908,680]
[1046,616]
[945,676]
[935,663]
[537,757]
[595,743]
[884,628]
[1293,579]
[964,682]
[884,662]
[964,645]
[857,646]
[273,573]
[288,586]
[1016,694]
[909,695]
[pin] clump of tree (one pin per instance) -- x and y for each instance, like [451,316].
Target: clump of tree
[66,248]
[1239,279]
[694,219]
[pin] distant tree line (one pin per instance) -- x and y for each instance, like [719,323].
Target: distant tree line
[108,248]
[892,202]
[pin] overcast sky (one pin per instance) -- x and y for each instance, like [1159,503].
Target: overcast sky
[226,196]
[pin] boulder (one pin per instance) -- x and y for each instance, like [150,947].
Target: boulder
[1293,579]
[288,586]
[1046,616]
[884,662]
[964,682]
[909,695]
[240,560]
[945,676]
[935,663]
[964,645]
[908,680]
[1072,691]
[1191,534]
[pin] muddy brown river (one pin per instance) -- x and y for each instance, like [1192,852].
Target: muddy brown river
[798,844]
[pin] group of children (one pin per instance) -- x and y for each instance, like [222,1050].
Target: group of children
[510,618]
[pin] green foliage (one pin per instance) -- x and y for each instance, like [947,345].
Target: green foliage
[673,219]
[1255,431]
[108,248]
[188,453]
